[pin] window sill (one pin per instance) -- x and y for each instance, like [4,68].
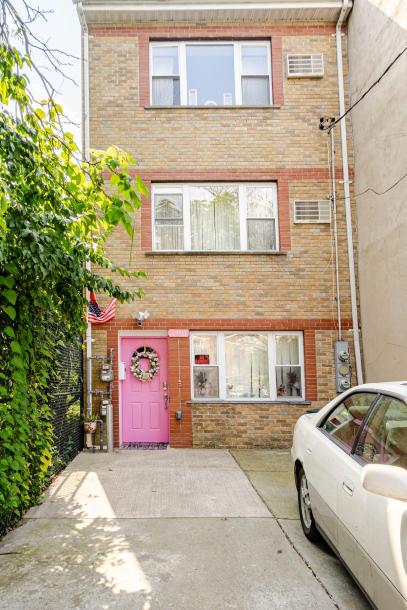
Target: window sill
[231,107]
[217,401]
[214,252]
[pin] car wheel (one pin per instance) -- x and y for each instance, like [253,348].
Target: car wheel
[304,505]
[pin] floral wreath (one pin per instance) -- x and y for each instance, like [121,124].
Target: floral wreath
[150,355]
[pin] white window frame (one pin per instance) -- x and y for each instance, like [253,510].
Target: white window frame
[271,338]
[183,189]
[182,66]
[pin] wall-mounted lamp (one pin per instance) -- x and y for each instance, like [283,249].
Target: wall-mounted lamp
[141,316]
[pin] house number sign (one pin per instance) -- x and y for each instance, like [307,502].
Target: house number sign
[178,332]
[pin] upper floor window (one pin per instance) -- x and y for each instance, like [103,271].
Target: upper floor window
[215,217]
[210,73]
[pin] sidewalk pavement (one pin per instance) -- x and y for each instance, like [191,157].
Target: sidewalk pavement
[176,529]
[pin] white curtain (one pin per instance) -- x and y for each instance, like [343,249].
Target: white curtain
[288,371]
[215,218]
[261,234]
[246,366]
[169,229]
[169,235]
[166,91]
[255,90]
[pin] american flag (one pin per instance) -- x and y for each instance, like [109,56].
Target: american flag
[100,316]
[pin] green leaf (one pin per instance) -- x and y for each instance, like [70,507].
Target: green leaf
[10,311]
[16,347]
[8,281]
[40,113]
[11,296]
[141,187]
[9,331]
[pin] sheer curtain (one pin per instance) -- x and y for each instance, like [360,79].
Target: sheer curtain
[246,366]
[288,369]
[255,90]
[166,91]
[261,224]
[169,228]
[214,214]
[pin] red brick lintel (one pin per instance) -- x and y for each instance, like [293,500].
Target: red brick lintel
[234,174]
[295,324]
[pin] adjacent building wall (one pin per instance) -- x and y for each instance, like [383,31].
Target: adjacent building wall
[377,33]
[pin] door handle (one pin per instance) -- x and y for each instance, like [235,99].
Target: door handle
[309,450]
[348,487]
[166,395]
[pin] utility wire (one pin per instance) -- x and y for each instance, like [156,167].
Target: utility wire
[385,191]
[376,82]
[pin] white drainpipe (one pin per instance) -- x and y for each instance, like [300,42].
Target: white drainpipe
[85,153]
[348,212]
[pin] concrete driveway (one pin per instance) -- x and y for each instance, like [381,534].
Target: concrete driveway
[181,529]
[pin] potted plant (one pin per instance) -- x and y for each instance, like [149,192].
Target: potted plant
[90,423]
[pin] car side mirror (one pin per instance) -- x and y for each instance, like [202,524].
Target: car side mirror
[388,481]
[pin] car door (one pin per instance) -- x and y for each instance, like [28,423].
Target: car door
[325,453]
[372,530]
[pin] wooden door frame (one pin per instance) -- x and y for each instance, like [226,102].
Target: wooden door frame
[135,334]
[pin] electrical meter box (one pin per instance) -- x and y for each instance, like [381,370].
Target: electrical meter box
[104,405]
[343,368]
[106,373]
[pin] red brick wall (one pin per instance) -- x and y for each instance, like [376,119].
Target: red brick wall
[281,176]
[179,379]
[217,32]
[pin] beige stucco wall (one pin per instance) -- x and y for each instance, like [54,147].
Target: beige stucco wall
[377,33]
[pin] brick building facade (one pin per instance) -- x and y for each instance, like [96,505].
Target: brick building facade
[229,264]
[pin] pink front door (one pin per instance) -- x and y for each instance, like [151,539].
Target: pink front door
[144,410]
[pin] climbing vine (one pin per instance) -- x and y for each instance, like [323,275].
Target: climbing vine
[55,216]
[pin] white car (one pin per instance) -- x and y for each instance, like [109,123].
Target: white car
[350,462]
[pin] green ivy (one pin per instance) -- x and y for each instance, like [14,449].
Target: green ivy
[55,216]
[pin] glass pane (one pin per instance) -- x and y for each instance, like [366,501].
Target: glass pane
[168,206]
[210,74]
[206,382]
[255,90]
[165,61]
[169,235]
[344,422]
[261,235]
[166,91]
[288,380]
[287,349]
[260,202]
[205,349]
[254,59]
[384,436]
[214,214]
[246,366]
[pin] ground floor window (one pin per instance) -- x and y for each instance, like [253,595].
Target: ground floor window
[247,365]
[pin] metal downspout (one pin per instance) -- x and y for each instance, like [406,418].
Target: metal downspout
[85,154]
[348,212]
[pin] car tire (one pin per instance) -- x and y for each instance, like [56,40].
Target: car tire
[304,506]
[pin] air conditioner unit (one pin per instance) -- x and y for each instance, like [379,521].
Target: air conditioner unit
[305,66]
[312,211]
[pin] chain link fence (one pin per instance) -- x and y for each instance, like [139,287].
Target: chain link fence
[66,402]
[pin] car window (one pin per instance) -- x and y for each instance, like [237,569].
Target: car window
[344,421]
[383,439]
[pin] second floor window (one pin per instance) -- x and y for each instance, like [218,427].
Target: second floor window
[211,73]
[215,217]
